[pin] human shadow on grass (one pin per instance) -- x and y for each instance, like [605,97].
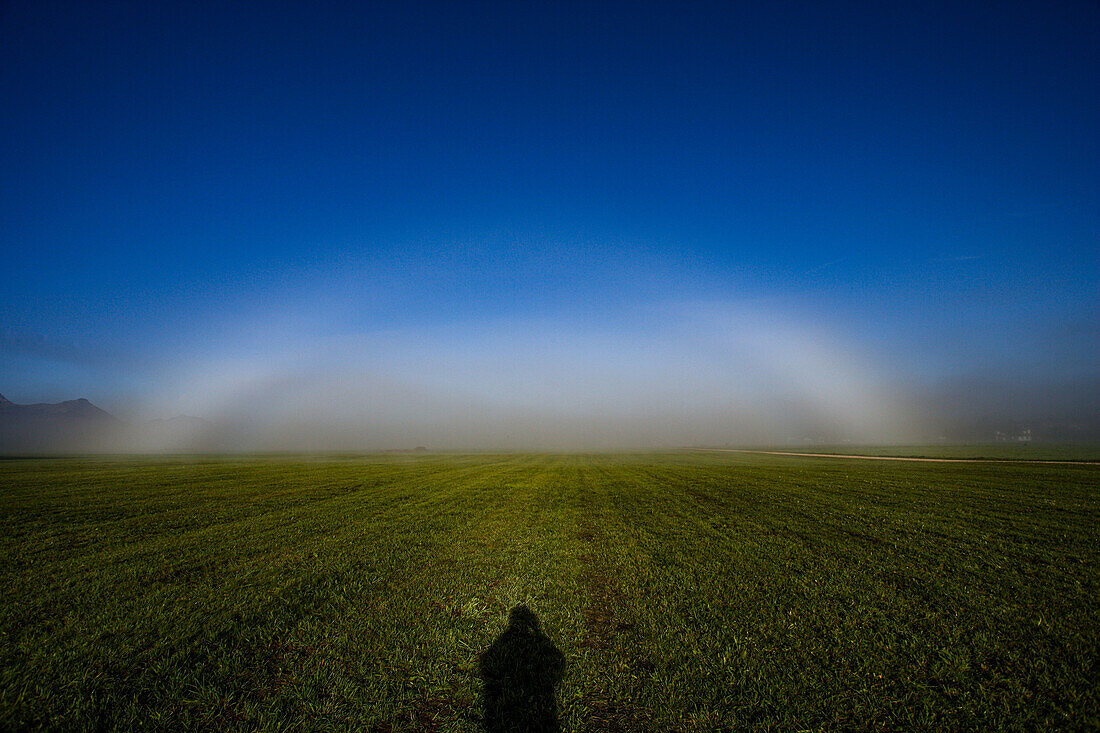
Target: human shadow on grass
[520,671]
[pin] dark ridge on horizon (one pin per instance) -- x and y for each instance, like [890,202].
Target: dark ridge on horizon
[72,426]
[80,407]
[79,426]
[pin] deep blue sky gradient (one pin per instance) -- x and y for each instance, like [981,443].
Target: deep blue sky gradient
[923,178]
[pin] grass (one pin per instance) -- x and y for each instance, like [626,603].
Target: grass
[688,591]
[1007,451]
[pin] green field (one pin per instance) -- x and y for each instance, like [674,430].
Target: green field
[1078,452]
[682,591]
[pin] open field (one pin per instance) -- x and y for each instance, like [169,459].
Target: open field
[685,591]
[890,457]
[1054,452]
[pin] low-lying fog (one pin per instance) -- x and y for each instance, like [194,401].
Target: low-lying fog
[689,375]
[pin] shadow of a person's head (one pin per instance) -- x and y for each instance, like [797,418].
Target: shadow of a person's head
[519,673]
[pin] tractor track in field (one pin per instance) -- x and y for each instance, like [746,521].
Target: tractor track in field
[895,458]
[604,623]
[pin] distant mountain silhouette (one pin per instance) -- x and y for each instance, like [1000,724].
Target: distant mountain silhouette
[80,408]
[78,426]
[62,427]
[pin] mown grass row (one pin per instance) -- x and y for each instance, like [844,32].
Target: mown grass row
[684,591]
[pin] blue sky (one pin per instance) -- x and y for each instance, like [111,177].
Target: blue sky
[207,184]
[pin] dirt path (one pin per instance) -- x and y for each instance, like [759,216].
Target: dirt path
[896,458]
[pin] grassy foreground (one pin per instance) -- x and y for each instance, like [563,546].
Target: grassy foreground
[692,591]
[1055,452]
